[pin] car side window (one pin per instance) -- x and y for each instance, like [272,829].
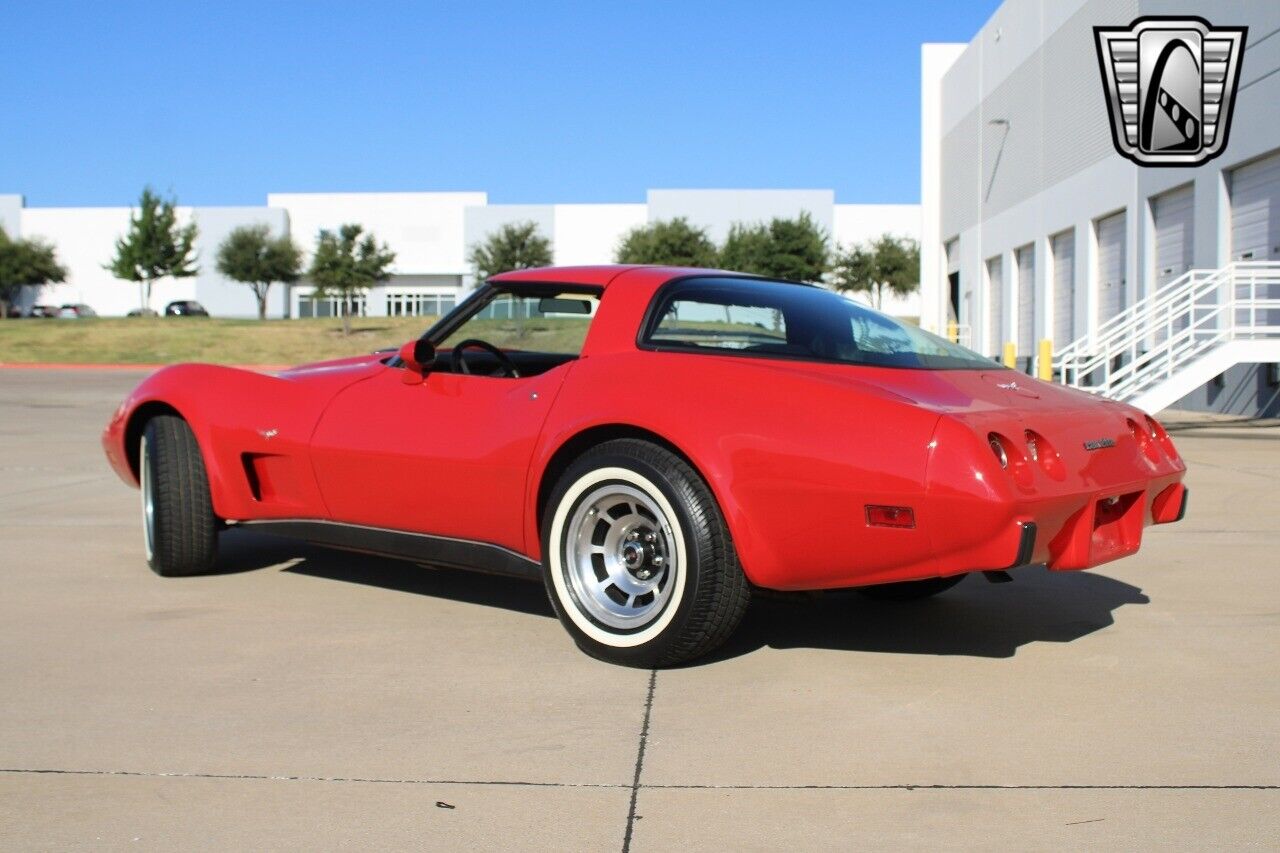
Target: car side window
[554,323]
[690,322]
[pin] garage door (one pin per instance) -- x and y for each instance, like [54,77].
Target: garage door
[995,305]
[1064,288]
[1255,211]
[1026,301]
[1111,283]
[1173,213]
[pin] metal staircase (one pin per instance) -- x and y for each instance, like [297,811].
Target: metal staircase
[1184,334]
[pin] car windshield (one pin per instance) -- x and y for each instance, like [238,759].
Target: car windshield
[756,317]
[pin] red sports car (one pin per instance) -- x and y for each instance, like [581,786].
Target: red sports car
[653,443]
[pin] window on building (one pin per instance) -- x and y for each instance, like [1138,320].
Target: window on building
[310,305]
[411,304]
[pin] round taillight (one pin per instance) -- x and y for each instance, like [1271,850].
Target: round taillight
[1162,438]
[1011,459]
[997,447]
[1045,454]
[1145,444]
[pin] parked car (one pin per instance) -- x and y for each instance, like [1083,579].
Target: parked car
[185,308]
[45,311]
[143,312]
[75,311]
[653,444]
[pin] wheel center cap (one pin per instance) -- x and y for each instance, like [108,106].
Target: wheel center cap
[633,555]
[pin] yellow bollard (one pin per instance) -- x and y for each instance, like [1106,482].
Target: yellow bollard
[1010,354]
[1044,363]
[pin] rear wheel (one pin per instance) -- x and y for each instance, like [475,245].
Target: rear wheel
[910,590]
[637,559]
[180,531]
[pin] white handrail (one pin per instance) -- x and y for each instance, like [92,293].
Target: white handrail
[1151,340]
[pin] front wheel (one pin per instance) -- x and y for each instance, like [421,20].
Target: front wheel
[180,531]
[637,559]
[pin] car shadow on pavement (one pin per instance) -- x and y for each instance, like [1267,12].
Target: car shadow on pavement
[248,550]
[975,618]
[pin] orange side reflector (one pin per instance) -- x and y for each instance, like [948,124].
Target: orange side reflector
[890,516]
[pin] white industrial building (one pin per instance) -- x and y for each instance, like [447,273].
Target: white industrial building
[1154,284]
[430,232]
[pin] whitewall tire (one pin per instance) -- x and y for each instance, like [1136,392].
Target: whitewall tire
[637,560]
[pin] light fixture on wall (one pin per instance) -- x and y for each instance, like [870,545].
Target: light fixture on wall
[996,122]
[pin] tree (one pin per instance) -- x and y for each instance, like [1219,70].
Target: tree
[886,265]
[671,243]
[792,249]
[346,264]
[250,255]
[25,262]
[747,249]
[155,246]
[514,246]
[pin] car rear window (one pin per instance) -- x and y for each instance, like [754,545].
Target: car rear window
[757,317]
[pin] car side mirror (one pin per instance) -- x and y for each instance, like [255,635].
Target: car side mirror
[418,357]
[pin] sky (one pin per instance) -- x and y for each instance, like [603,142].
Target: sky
[537,102]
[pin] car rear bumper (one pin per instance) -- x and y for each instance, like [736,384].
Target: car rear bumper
[1074,532]
[1090,494]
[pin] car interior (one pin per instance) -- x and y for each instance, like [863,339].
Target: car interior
[514,332]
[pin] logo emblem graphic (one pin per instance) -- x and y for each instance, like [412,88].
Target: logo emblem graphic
[1170,85]
[1099,443]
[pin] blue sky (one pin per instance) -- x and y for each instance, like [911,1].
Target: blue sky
[221,103]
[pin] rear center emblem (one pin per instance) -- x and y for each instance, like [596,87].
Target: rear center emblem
[1099,443]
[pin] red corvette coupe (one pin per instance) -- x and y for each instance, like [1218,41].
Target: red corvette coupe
[653,443]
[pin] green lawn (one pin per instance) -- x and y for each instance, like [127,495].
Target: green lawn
[166,340]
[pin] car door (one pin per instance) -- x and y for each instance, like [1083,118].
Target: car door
[448,457]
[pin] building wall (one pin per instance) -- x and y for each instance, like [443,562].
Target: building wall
[1246,389]
[480,222]
[85,238]
[1016,148]
[427,231]
[854,224]
[590,233]
[431,234]
[718,210]
[222,296]
[11,214]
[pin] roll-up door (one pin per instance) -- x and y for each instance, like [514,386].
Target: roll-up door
[995,305]
[1064,288]
[1111,283]
[1174,218]
[1255,211]
[1026,301]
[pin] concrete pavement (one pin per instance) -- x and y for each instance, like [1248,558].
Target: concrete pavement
[308,698]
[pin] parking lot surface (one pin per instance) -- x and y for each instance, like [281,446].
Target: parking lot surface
[311,698]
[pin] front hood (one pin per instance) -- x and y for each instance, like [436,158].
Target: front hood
[337,366]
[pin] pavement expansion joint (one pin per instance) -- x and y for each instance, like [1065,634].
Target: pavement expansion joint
[636,786]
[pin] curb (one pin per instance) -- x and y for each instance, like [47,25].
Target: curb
[47,365]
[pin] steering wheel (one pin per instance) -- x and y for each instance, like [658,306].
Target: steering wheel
[504,360]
